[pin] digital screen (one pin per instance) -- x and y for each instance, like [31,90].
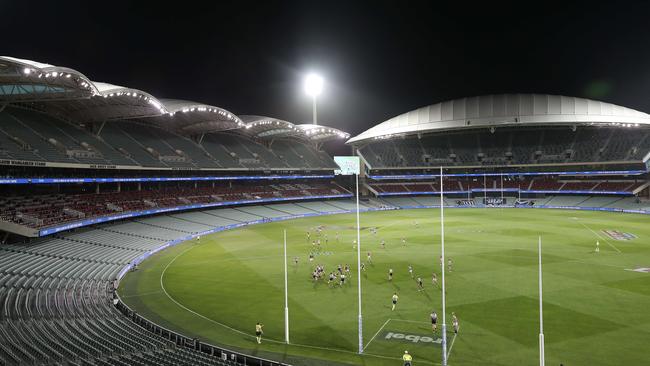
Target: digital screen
[349,165]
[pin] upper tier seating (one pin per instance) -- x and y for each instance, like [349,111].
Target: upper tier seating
[491,183]
[33,136]
[509,146]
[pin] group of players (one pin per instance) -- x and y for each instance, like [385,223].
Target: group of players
[434,321]
[343,272]
[338,276]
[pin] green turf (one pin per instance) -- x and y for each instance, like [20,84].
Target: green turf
[596,312]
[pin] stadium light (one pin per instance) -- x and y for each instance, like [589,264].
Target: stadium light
[313,87]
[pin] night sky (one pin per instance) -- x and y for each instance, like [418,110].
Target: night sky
[379,59]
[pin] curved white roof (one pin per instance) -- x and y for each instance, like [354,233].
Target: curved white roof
[269,127]
[69,94]
[322,133]
[501,110]
[194,118]
[26,80]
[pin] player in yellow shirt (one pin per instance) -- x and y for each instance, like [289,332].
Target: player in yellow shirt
[407,358]
[258,332]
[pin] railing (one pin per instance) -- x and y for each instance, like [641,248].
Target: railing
[180,340]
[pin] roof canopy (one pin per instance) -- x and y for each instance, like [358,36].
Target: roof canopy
[504,110]
[68,94]
[25,80]
[268,128]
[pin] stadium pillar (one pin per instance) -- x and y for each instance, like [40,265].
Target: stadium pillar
[442,269]
[359,267]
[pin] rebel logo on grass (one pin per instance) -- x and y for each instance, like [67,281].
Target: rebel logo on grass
[619,235]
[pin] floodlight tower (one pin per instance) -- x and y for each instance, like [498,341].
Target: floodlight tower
[313,87]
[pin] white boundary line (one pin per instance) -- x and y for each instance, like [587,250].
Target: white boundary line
[452,345]
[190,310]
[408,321]
[373,337]
[266,339]
[600,237]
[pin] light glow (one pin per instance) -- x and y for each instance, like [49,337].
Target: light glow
[313,84]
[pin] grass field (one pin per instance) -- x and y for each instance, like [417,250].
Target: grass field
[595,311]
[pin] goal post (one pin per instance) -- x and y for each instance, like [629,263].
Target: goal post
[351,165]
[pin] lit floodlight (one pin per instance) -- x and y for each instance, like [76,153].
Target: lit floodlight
[313,85]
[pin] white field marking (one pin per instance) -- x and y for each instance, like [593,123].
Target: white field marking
[451,346]
[373,337]
[190,310]
[252,336]
[409,321]
[356,353]
[600,237]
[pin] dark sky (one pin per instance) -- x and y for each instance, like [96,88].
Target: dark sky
[379,59]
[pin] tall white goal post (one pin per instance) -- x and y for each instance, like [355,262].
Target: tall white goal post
[351,165]
[286,292]
[541,310]
[442,269]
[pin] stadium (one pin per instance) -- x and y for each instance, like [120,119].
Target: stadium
[146,231]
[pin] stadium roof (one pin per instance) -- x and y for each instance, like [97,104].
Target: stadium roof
[68,94]
[269,127]
[25,80]
[504,110]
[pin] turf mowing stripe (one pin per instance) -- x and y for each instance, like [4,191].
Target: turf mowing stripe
[251,336]
[192,311]
[409,321]
[373,337]
[356,353]
[596,264]
[598,236]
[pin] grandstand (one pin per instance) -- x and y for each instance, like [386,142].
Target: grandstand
[77,153]
[57,292]
[97,177]
[526,146]
[515,130]
[57,117]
